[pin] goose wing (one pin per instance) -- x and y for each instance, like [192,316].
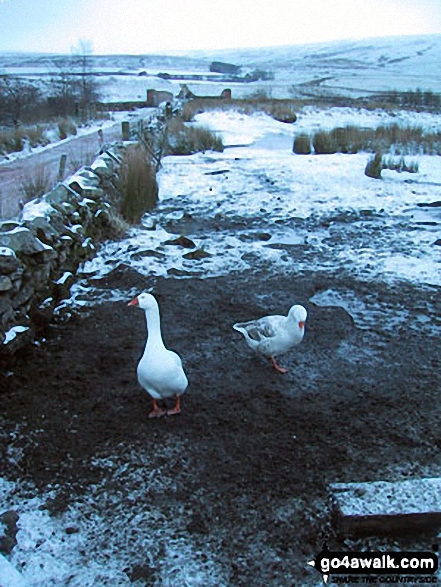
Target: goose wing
[261,329]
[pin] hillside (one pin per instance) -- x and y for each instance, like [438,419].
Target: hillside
[353,68]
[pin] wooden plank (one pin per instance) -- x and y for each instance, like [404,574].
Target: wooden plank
[382,507]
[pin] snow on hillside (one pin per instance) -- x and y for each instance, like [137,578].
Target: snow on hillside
[357,67]
[354,68]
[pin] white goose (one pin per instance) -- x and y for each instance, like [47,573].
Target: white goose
[274,335]
[160,370]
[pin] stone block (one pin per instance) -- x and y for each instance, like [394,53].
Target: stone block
[382,507]
[22,241]
[60,195]
[5,283]
[8,261]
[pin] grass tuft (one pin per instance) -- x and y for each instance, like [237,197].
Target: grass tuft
[137,184]
[36,183]
[66,128]
[302,144]
[183,139]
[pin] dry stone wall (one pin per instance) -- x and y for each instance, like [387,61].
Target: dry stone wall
[41,251]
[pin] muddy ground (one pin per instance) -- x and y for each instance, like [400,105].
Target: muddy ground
[259,448]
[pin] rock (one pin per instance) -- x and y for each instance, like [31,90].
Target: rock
[44,221]
[16,337]
[8,531]
[89,175]
[21,240]
[141,573]
[183,273]
[24,295]
[6,310]
[5,283]
[255,236]
[288,118]
[197,255]
[8,225]
[61,195]
[86,183]
[8,261]
[181,241]
[63,284]
[147,253]
[85,190]
[72,530]
[102,166]
[436,204]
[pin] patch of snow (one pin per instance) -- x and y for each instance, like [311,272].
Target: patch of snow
[13,332]
[35,209]
[7,252]
[65,277]
[9,576]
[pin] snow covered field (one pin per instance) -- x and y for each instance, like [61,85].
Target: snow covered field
[343,220]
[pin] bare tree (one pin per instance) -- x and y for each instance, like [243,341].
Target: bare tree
[88,86]
[63,88]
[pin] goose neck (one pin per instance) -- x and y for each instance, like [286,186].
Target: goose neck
[153,326]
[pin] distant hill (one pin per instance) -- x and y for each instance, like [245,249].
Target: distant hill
[384,63]
[350,68]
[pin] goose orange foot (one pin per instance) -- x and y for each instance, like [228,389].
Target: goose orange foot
[278,367]
[177,409]
[157,412]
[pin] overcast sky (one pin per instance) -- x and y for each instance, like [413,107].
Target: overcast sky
[145,26]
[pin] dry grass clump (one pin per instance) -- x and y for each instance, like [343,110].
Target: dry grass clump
[36,183]
[400,140]
[374,166]
[193,107]
[83,156]
[302,144]
[66,128]
[281,110]
[378,162]
[11,140]
[36,135]
[183,139]
[137,184]
[113,225]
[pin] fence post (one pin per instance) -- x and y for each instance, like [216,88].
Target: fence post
[125,128]
[62,167]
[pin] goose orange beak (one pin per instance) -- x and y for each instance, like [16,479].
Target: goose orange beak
[134,302]
[301,325]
